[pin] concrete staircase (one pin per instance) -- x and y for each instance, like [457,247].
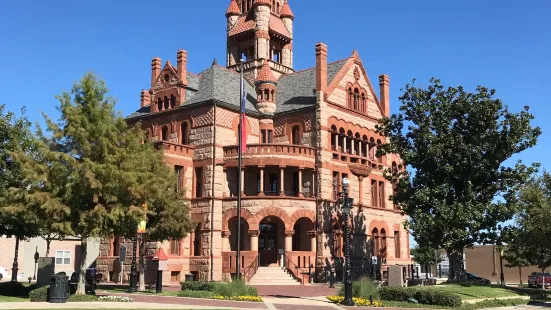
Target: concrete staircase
[272,276]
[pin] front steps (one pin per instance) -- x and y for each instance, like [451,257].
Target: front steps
[272,276]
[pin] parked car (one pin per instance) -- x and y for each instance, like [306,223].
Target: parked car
[476,279]
[3,273]
[535,279]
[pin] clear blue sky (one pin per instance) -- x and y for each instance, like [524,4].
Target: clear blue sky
[503,44]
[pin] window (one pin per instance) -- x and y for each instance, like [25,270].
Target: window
[334,138]
[295,182]
[115,246]
[383,243]
[164,133]
[295,135]
[356,99]
[172,101]
[166,103]
[175,276]
[159,104]
[258,180]
[373,193]
[197,241]
[263,133]
[184,134]
[397,244]
[380,158]
[382,197]
[350,98]
[175,247]
[364,104]
[270,136]
[179,171]
[375,241]
[198,182]
[273,183]
[335,186]
[63,257]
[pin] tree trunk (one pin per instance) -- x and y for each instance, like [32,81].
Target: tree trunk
[141,288]
[81,287]
[15,267]
[457,268]
[520,274]
[48,244]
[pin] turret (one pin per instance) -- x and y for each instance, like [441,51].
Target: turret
[265,89]
[287,17]
[233,14]
[262,12]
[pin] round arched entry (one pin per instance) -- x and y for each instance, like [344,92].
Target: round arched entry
[245,242]
[301,240]
[270,240]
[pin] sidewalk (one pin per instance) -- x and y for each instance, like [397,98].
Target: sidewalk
[106,305]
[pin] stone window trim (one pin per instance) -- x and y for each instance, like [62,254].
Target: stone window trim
[356,98]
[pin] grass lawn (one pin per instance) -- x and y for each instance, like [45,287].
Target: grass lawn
[478,292]
[124,291]
[12,299]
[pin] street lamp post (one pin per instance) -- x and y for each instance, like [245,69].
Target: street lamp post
[133,268]
[502,275]
[36,257]
[346,207]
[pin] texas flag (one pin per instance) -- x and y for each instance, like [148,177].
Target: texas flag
[243,124]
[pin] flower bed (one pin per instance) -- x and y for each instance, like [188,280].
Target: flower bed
[239,298]
[357,300]
[115,299]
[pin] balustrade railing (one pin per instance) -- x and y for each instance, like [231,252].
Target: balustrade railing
[250,271]
[300,274]
[271,149]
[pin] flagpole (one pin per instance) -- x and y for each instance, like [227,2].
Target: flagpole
[239,175]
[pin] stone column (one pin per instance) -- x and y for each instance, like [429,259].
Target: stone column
[261,193]
[289,240]
[344,137]
[254,239]
[352,145]
[313,191]
[281,181]
[226,240]
[312,235]
[191,246]
[243,181]
[300,170]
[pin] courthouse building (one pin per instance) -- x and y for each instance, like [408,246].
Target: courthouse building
[306,131]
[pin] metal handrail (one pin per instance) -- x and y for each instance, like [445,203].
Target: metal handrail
[288,262]
[251,270]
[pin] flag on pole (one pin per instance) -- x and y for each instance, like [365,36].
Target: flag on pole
[243,127]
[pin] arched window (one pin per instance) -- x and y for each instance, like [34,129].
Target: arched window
[350,98]
[278,8]
[166,103]
[295,133]
[342,140]
[266,95]
[159,104]
[372,149]
[349,141]
[380,158]
[383,242]
[172,101]
[356,99]
[375,241]
[164,133]
[334,135]
[184,134]
[364,146]
[394,168]
[273,6]
[364,104]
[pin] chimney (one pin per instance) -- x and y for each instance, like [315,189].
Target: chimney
[145,99]
[155,70]
[384,83]
[321,67]
[182,66]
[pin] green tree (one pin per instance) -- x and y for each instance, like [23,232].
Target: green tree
[16,219]
[530,236]
[515,256]
[99,172]
[455,143]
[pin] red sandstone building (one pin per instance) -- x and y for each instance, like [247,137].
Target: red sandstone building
[307,130]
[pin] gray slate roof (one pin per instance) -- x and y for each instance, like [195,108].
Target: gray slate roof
[294,91]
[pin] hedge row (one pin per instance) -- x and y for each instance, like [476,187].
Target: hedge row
[422,295]
[15,289]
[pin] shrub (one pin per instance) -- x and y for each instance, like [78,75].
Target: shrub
[495,303]
[363,289]
[395,293]
[198,286]
[358,301]
[82,298]
[195,294]
[40,294]
[236,288]
[15,289]
[426,296]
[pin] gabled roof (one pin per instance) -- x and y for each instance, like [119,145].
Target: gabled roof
[221,84]
[246,23]
[298,90]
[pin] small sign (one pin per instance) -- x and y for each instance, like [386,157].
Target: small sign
[122,254]
[163,265]
[373,260]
